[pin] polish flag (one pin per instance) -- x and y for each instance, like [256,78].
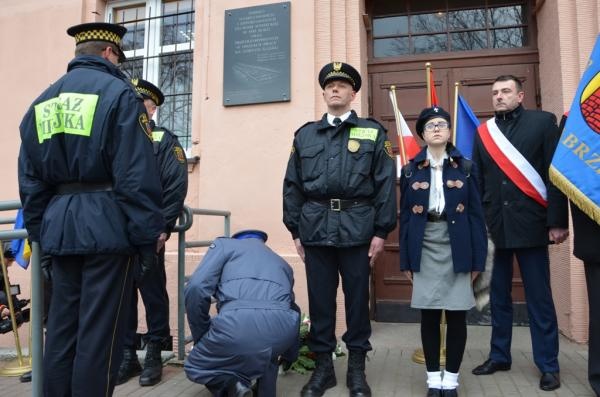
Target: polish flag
[410,140]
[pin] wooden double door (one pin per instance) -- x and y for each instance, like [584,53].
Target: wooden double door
[391,291]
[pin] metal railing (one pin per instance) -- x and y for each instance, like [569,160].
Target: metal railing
[37,293]
[185,222]
[37,297]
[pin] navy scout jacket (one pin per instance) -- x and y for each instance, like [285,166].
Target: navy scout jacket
[466,224]
[89,128]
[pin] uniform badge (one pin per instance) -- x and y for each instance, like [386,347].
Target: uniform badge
[337,66]
[353,145]
[145,124]
[387,146]
[460,207]
[179,155]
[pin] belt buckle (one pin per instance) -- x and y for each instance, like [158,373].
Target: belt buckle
[335,205]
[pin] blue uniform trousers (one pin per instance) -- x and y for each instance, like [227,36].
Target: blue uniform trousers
[534,265]
[84,342]
[324,265]
[156,301]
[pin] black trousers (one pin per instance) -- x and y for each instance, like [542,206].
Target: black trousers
[84,343]
[592,278]
[324,265]
[456,338]
[156,301]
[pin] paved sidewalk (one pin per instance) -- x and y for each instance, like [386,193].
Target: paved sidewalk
[391,372]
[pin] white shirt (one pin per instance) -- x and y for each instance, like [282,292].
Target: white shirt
[437,201]
[343,117]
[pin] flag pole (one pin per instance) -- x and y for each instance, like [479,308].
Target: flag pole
[456,85]
[428,79]
[392,93]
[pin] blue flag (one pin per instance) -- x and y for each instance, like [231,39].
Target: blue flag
[575,168]
[465,128]
[21,248]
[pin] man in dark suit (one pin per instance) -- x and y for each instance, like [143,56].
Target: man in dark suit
[587,248]
[524,213]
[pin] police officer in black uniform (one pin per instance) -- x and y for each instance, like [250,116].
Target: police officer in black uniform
[339,203]
[173,177]
[91,194]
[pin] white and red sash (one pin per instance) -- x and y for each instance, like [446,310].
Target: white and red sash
[512,162]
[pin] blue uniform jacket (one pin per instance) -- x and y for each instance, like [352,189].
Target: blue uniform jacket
[466,225]
[255,323]
[173,173]
[89,127]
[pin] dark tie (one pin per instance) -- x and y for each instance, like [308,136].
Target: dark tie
[337,121]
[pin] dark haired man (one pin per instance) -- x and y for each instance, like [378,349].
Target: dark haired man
[524,213]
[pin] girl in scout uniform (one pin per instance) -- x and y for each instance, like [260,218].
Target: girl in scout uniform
[443,244]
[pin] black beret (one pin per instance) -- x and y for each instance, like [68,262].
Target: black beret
[99,31]
[250,233]
[340,71]
[148,90]
[428,114]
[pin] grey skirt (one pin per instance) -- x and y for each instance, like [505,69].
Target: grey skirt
[437,286]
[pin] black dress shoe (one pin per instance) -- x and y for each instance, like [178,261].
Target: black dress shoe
[549,381]
[449,393]
[26,377]
[489,367]
[432,392]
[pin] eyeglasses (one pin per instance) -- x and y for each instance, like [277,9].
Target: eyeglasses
[432,126]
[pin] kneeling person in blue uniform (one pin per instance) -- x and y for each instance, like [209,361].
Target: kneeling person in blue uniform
[257,320]
[173,178]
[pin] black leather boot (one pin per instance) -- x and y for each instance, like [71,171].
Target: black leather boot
[322,378]
[152,372]
[356,379]
[130,366]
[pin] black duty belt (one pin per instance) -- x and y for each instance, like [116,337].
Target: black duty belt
[75,188]
[341,204]
[435,217]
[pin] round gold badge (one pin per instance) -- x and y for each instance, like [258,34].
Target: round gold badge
[353,145]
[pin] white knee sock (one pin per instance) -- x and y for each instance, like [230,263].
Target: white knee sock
[450,380]
[434,380]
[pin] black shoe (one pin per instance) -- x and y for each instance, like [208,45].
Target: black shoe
[152,373]
[26,377]
[322,378]
[550,381]
[489,367]
[449,393]
[432,392]
[238,389]
[356,380]
[130,367]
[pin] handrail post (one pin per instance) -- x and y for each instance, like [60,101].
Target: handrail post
[37,305]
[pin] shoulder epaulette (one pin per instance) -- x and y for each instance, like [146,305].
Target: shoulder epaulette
[377,122]
[303,125]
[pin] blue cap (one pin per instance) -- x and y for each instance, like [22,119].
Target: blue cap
[250,233]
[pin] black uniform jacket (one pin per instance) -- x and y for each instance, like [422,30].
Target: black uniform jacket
[325,165]
[466,224]
[515,220]
[586,244]
[89,127]
[173,172]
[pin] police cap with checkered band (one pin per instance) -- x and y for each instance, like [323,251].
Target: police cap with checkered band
[148,90]
[99,31]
